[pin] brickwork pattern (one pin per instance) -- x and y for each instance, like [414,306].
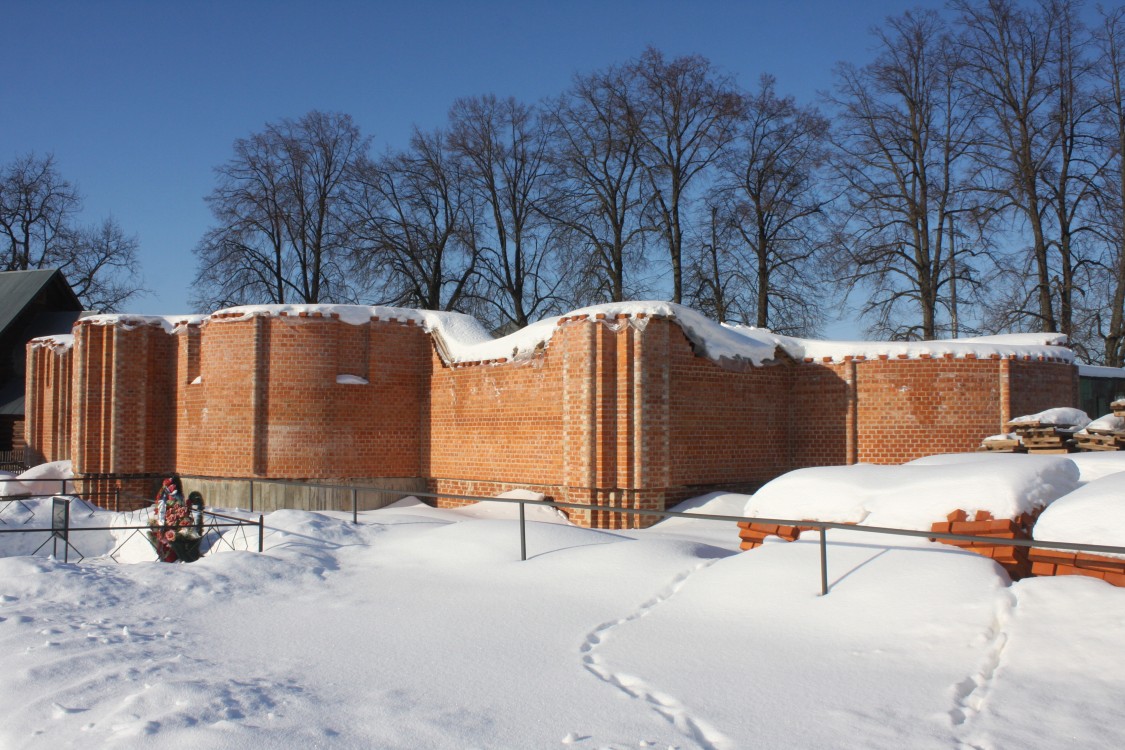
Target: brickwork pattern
[909,409]
[1040,384]
[1057,562]
[47,420]
[619,411]
[1013,558]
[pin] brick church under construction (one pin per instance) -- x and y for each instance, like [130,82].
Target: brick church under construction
[636,405]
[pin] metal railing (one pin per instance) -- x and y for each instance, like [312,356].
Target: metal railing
[209,527]
[210,524]
[822,527]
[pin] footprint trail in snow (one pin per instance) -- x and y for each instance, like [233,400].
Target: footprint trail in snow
[972,692]
[668,707]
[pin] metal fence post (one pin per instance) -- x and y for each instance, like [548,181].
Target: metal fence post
[355,505]
[251,495]
[66,531]
[823,561]
[116,499]
[523,534]
[261,532]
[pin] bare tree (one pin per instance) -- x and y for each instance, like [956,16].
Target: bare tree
[1108,209]
[103,269]
[903,138]
[765,220]
[38,214]
[598,190]
[1026,69]
[505,153]
[282,230]
[689,114]
[417,227]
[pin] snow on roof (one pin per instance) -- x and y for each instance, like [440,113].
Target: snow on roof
[462,339]
[1092,514]
[918,494]
[1096,371]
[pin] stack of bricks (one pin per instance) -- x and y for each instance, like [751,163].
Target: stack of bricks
[754,534]
[1013,558]
[1057,562]
[1101,439]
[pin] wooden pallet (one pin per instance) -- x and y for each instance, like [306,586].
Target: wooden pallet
[1010,445]
[1100,440]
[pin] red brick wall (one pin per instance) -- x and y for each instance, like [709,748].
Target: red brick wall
[189,398]
[615,412]
[46,426]
[818,415]
[269,403]
[725,426]
[124,420]
[1039,385]
[500,422]
[912,408]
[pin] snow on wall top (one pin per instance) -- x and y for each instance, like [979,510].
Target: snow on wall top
[462,339]
[59,342]
[1052,345]
[129,321]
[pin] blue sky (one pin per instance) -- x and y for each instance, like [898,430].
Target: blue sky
[139,101]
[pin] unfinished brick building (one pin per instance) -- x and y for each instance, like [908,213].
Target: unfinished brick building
[636,405]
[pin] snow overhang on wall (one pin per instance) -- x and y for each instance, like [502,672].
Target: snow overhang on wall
[461,339]
[1048,346]
[58,342]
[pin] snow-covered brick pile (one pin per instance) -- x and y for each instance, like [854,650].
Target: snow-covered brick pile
[1065,417]
[1106,433]
[997,532]
[1005,442]
[1049,431]
[1107,423]
[917,494]
[1092,514]
[1093,466]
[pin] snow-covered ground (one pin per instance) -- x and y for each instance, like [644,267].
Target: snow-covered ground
[421,628]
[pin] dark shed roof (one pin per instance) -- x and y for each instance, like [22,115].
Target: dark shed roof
[32,304]
[18,289]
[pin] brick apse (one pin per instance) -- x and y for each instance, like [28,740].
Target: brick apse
[614,406]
